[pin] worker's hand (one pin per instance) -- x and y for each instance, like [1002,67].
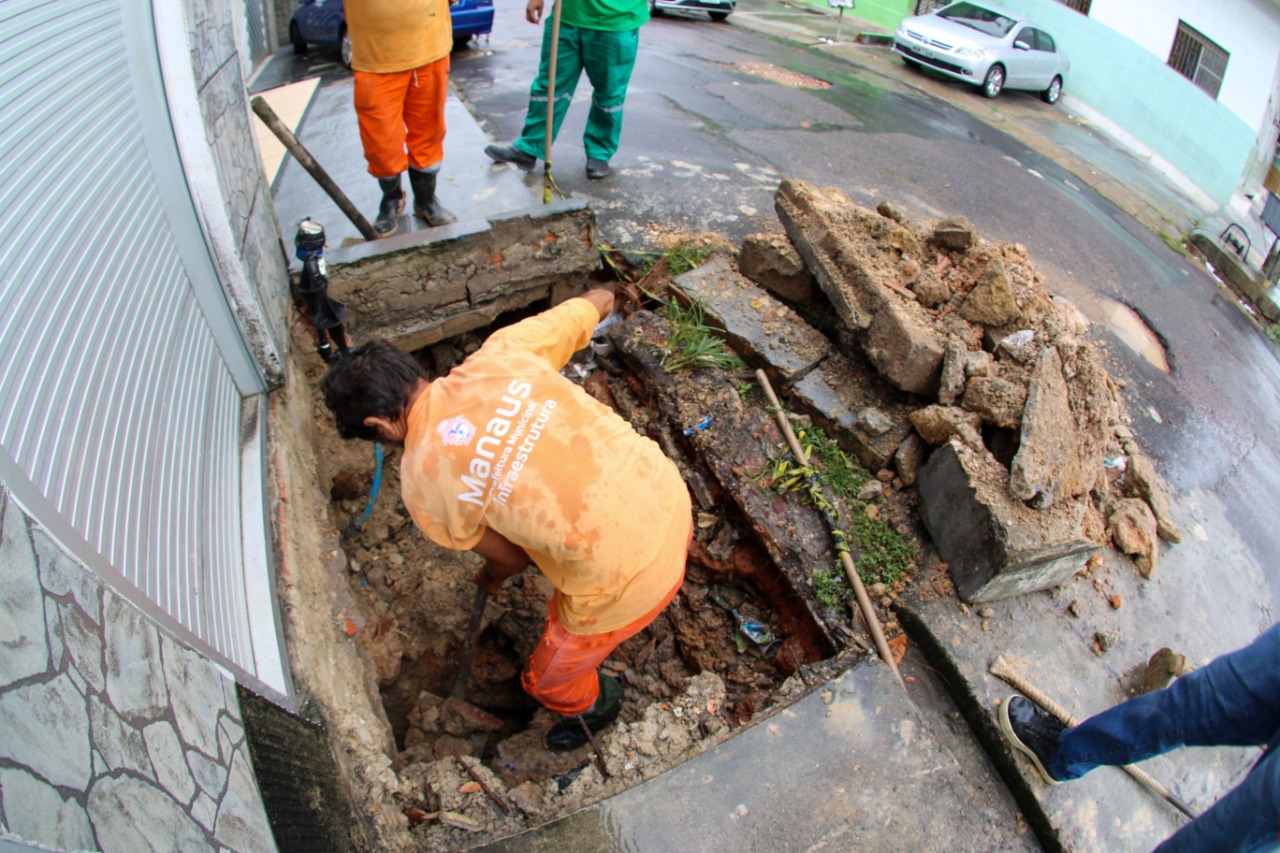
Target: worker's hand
[489,579]
[533,12]
[602,299]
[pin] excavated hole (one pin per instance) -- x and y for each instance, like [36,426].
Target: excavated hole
[413,600]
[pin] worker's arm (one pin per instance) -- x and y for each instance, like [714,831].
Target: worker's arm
[533,11]
[601,299]
[502,559]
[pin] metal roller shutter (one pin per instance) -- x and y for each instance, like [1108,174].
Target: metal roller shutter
[129,415]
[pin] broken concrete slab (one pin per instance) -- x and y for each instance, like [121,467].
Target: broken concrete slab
[420,288]
[858,258]
[1048,467]
[904,347]
[841,244]
[773,263]
[853,752]
[753,320]
[845,398]
[995,546]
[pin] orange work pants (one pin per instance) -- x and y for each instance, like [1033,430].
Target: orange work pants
[403,109]
[561,672]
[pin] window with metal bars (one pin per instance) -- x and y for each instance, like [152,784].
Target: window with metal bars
[1198,59]
[1081,6]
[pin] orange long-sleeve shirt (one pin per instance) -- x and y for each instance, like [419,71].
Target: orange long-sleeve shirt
[505,442]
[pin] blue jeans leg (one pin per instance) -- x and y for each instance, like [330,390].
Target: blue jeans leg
[1233,701]
[1247,819]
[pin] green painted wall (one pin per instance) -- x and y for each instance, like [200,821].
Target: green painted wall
[884,15]
[1135,89]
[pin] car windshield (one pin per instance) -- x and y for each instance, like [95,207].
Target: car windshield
[978,18]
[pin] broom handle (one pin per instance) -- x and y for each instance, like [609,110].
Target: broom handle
[1002,669]
[859,591]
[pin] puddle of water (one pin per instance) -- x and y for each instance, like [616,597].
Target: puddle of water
[1134,332]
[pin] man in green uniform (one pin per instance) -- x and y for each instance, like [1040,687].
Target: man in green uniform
[600,37]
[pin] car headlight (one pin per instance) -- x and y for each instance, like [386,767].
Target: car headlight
[971,52]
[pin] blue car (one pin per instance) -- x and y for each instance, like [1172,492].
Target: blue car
[323,22]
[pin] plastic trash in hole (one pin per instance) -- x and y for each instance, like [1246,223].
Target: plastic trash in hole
[699,426]
[756,632]
[1119,465]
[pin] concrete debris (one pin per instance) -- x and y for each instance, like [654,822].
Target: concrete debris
[1165,665]
[991,301]
[772,262]
[1133,530]
[955,233]
[1143,482]
[936,424]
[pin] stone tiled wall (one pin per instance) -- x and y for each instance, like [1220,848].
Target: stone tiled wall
[113,735]
[257,275]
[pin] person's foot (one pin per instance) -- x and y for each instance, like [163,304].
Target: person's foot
[1031,731]
[597,169]
[511,154]
[390,207]
[568,734]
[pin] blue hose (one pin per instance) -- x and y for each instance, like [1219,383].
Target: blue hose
[353,526]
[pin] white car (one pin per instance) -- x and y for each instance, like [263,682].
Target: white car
[717,9]
[985,46]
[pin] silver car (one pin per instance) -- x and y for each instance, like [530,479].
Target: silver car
[986,46]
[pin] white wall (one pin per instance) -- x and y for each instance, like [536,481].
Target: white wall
[1249,30]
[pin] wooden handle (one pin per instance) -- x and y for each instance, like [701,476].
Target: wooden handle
[304,158]
[859,591]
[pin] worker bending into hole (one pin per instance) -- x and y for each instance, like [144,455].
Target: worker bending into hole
[508,458]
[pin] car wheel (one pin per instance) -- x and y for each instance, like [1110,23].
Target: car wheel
[295,38]
[344,42]
[654,10]
[718,16]
[1054,91]
[993,83]
[461,42]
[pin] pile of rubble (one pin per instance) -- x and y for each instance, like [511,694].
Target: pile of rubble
[991,401]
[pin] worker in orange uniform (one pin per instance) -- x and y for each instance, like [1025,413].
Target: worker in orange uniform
[507,457]
[400,57]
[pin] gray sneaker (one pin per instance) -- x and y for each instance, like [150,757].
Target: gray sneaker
[511,154]
[597,169]
[1031,731]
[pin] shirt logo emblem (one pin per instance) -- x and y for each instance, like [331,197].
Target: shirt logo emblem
[457,432]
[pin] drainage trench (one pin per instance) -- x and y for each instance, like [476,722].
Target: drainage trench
[412,602]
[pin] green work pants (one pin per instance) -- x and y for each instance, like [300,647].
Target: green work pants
[608,58]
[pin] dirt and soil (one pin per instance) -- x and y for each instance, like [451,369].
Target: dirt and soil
[476,768]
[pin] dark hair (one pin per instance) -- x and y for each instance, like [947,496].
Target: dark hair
[374,380]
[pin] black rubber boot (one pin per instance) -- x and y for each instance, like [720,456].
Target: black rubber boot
[425,204]
[390,207]
[568,734]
